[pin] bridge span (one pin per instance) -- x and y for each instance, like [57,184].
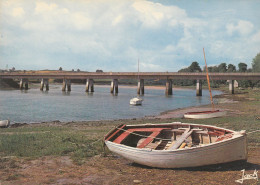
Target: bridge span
[44,76]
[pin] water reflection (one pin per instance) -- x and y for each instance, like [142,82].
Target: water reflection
[65,93]
[89,93]
[44,92]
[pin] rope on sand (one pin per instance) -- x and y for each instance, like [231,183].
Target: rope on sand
[253,131]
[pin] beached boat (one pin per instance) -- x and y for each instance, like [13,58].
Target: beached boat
[213,113]
[136,101]
[4,123]
[177,145]
[205,114]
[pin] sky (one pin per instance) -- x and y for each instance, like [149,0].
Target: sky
[112,35]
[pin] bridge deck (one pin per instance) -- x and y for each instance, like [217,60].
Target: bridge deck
[129,75]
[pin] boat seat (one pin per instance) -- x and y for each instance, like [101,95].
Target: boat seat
[181,139]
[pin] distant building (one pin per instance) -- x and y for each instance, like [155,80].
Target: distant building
[99,71]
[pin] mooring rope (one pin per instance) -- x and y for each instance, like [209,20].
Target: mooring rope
[165,139]
[253,131]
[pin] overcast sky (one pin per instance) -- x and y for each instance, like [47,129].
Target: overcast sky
[112,34]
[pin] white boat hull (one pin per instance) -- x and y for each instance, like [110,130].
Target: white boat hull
[224,151]
[205,115]
[4,123]
[136,101]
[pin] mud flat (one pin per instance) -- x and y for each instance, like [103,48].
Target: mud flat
[72,153]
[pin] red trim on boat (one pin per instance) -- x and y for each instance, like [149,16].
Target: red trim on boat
[203,112]
[117,130]
[120,138]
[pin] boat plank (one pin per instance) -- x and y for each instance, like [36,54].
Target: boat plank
[181,139]
[148,140]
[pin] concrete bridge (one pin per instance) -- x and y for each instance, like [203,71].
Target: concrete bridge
[114,76]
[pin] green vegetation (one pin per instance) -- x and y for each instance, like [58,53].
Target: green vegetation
[223,68]
[37,141]
[256,63]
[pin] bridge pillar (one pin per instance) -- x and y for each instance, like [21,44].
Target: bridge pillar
[114,86]
[140,88]
[44,82]
[24,84]
[168,90]
[66,83]
[231,86]
[199,88]
[90,85]
[47,84]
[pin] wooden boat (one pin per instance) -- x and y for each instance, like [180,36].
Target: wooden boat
[205,114]
[177,145]
[136,101]
[4,123]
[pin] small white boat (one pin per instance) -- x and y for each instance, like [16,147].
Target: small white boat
[136,101]
[205,114]
[4,123]
[177,145]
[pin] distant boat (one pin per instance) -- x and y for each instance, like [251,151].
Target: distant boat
[177,145]
[209,113]
[136,101]
[4,123]
[204,114]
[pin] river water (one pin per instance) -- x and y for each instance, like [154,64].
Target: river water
[34,105]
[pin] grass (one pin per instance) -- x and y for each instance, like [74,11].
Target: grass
[40,141]
[82,141]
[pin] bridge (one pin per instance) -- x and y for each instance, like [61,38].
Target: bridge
[44,76]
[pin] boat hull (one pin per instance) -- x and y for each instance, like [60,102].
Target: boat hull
[4,123]
[136,101]
[221,152]
[204,114]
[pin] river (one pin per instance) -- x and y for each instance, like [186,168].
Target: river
[34,105]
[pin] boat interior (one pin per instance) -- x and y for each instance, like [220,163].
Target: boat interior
[167,136]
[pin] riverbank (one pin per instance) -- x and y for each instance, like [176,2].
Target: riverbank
[72,153]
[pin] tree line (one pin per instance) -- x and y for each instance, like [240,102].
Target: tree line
[223,68]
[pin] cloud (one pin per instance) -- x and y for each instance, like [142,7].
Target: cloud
[42,7]
[117,20]
[256,37]
[242,27]
[81,21]
[146,67]
[117,33]
[18,12]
